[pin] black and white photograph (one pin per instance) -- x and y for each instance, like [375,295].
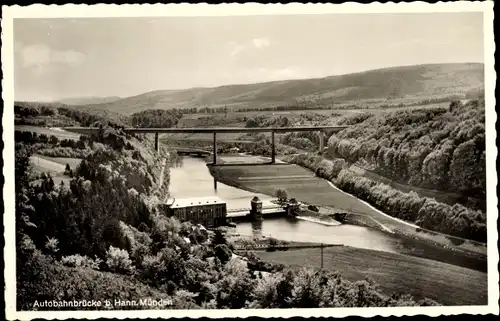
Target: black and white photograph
[285,160]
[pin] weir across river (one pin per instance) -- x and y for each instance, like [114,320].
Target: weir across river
[266,210]
[322,130]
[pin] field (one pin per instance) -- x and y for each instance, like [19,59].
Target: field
[45,165]
[72,162]
[447,284]
[54,166]
[245,159]
[59,133]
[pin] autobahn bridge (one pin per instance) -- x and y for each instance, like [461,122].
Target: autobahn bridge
[322,131]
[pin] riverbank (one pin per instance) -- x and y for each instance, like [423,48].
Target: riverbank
[263,243]
[313,190]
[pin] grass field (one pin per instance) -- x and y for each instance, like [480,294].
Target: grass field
[310,190]
[445,283]
[54,166]
[42,164]
[59,133]
[72,162]
[245,159]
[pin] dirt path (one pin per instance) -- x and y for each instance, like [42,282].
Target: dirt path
[162,172]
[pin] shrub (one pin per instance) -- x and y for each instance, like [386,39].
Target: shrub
[223,253]
[282,195]
[78,261]
[52,245]
[118,260]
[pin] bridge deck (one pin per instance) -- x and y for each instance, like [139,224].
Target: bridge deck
[217,129]
[265,211]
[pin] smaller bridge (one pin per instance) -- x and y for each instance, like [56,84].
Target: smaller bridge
[266,210]
[193,152]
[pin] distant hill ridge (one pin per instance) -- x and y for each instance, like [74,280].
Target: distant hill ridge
[89,100]
[392,84]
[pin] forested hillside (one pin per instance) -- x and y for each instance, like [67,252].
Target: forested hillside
[389,86]
[60,115]
[155,118]
[89,100]
[441,149]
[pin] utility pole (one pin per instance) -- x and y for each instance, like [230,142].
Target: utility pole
[321,255]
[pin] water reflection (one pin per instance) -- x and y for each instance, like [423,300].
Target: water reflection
[256,228]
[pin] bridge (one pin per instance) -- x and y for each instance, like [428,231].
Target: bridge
[322,130]
[193,152]
[266,210]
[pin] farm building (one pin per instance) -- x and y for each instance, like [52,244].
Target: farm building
[208,211]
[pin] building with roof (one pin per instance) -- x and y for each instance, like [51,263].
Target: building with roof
[208,211]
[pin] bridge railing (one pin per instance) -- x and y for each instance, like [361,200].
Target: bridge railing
[248,209]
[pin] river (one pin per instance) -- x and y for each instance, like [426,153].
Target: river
[193,179]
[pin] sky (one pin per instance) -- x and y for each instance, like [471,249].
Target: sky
[95,57]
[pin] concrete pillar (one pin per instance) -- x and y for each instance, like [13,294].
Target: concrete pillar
[273,151]
[157,142]
[321,142]
[215,149]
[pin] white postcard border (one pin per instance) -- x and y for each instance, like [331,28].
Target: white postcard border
[157,10]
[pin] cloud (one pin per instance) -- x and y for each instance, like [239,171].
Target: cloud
[254,44]
[261,43]
[236,50]
[40,55]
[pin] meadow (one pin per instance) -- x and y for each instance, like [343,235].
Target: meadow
[55,166]
[451,285]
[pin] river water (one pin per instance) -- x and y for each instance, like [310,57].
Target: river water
[193,179]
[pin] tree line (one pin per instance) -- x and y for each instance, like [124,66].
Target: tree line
[156,118]
[455,220]
[63,115]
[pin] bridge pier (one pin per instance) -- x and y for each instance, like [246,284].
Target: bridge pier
[321,142]
[273,151]
[215,149]
[157,142]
